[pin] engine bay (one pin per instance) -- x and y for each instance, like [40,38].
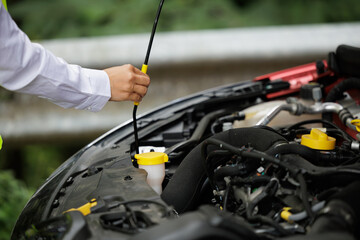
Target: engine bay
[273,158]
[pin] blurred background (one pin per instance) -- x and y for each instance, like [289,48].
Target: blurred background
[200,44]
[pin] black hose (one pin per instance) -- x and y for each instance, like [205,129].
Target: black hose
[337,93]
[198,133]
[238,181]
[227,171]
[328,123]
[313,156]
[209,164]
[304,196]
[229,118]
[226,195]
[253,154]
[339,220]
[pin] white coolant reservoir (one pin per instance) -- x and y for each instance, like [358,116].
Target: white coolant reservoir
[254,113]
[154,164]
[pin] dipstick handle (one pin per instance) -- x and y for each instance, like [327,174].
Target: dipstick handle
[144,69]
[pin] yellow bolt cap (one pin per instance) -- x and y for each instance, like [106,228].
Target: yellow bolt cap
[151,158]
[318,140]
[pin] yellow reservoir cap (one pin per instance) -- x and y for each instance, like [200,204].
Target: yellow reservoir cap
[318,140]
[151,158]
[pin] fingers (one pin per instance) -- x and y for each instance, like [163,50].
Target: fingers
[142,80]
[134,93]
[134,97]
[136,70]
[140,90]
[137,75]
[127,83]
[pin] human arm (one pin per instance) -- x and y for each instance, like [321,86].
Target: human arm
[27,67]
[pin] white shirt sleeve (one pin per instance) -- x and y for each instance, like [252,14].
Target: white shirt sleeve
[27,67]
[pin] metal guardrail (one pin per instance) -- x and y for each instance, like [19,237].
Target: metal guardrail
[208,45]
[183,62]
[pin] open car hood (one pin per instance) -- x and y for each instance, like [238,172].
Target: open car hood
[244,163]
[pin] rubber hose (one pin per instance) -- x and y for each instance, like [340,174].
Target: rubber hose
[226,171]
[302,215]
[309,154]
[340,220]
[336,93]
[253,180]
[198,133]
[183,190]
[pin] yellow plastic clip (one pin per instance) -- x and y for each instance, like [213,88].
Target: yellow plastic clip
[285,214]
[84,209]
[356,123]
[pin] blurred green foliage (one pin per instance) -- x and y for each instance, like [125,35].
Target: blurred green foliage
[13,197]
[40,161]
[34,163]
[45,19]
[31,164]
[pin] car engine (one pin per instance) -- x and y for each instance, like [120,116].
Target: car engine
[273,158]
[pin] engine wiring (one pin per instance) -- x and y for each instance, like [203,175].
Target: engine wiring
[249,153]
[225,167]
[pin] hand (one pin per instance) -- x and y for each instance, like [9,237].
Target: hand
[127,83]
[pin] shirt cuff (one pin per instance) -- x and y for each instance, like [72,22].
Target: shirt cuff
[100,87]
